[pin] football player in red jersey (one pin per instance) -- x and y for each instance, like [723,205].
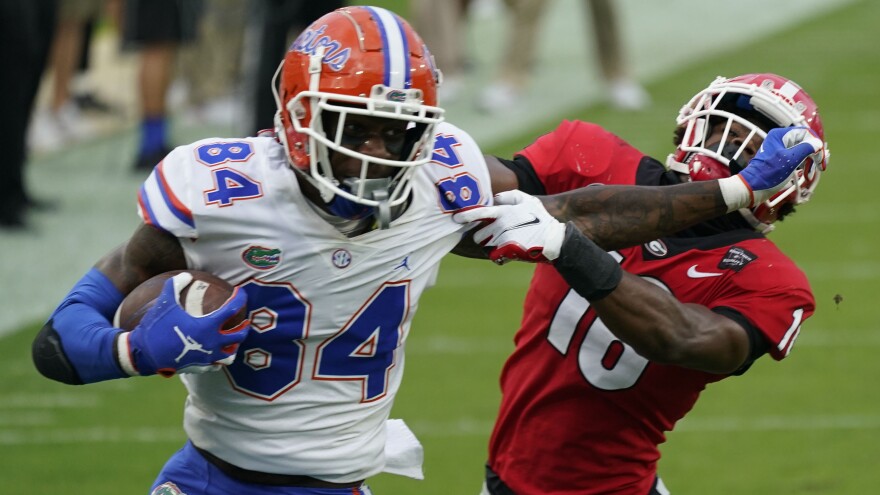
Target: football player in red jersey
[615,347]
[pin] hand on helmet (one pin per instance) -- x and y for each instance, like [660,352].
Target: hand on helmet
[518,228]
[782,153]
[170,340]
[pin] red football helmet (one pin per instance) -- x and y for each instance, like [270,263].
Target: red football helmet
[363,61]
[759,102]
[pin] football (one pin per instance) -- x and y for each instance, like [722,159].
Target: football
[204,294]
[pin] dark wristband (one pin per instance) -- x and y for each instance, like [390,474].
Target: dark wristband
[588,269]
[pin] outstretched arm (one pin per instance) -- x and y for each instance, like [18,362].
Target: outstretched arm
[619,216]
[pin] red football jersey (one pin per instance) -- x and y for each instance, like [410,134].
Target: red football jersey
[582,412]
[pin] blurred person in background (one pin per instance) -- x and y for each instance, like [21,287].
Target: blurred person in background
[157,29]
[271,26]
[62,123]
[442,25]
[210,68]
[615,347]
[82,86]
[518,58]
[26,30]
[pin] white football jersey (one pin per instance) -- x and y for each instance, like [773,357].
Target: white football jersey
[313,383]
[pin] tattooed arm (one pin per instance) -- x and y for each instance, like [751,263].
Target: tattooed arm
[615,217]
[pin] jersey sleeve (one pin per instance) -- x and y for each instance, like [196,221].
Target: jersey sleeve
[775,296]
[458,170]
[200,181]
[578,154]
[165,198]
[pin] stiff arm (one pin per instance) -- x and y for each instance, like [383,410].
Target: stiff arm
[615,217]
[619,216]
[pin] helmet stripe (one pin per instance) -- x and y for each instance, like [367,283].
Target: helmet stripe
[394,48]
[789,90]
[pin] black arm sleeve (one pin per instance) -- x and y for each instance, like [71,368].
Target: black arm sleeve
[758,345]
[525,174]
[50,359]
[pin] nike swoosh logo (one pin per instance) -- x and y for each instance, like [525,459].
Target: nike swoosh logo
[694,273]
[520,225]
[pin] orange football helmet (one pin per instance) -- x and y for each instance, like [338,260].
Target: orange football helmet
[363,61]
[759,102]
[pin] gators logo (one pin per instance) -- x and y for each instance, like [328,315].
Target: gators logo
[261,258]
[167,488]
[396,95]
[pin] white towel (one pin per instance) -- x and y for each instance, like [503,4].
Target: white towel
[404,454]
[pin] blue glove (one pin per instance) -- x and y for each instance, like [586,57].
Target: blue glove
[783,151]
[168,339]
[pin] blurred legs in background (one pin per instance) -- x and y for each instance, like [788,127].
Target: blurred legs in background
[518,59]
[442,26]
[210,69]
[60,123]
[157,29]
[26,30]
[272,23]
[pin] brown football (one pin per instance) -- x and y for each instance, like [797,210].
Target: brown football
[204,294]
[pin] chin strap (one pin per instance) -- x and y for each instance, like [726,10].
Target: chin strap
[383,211]
[373,189]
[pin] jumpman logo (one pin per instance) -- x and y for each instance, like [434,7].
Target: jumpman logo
[189,344]
[403,264]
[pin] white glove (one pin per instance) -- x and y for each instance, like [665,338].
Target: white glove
[518,228]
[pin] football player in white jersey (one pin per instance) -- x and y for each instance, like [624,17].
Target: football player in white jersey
[330,230]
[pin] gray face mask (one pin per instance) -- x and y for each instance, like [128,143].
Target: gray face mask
[373,189]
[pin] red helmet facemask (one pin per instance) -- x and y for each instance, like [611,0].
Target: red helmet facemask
[758,102]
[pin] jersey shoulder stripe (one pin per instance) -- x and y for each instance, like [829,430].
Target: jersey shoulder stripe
[169,201]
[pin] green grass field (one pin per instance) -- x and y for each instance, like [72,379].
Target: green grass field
[809,425]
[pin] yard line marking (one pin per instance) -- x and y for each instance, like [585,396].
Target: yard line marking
[462,427]
[466,427]
[48,401]
[96,434]
[32,418]
[780,423]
